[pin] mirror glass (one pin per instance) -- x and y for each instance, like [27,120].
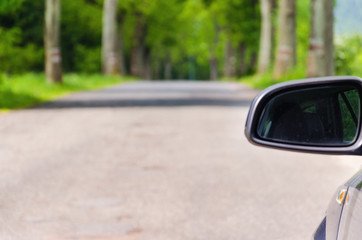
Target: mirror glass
[317,116]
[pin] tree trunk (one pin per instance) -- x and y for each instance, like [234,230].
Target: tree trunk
[157,69]
[241,68]
[121,64]
[192,68]
[266,37]
[286,54]
[253,61]
[148,64]
[110,47]
[213,59]
[141,58]
[53,68]
[137,55]
[180,73]
[110,50]
[229,60]
[213,68]
[168,67]
[320,55]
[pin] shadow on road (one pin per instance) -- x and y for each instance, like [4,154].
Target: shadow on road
[146,102]
[158,94]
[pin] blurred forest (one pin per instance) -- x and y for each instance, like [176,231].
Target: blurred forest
[162,39]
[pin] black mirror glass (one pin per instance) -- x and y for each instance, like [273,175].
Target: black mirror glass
[316,116]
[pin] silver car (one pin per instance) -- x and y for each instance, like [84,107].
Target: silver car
[319,115]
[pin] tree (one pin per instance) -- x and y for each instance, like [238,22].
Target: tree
[120,45]
[214,10]
[20,36]
[286,51]
[348,55]
[267,36]
[242,24]
[213,57]
[110,51]
[162,39]
[320,55]
[137,52]
[229,60]
[53,58]
[81,43]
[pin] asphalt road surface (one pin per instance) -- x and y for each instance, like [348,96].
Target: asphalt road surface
[156,161]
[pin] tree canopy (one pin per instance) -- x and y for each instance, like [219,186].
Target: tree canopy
[178,39]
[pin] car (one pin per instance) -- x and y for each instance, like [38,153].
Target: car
[317,115]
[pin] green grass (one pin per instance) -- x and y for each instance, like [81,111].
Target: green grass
[261,81]
[22,91]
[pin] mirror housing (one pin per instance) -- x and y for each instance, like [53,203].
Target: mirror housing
[320,115]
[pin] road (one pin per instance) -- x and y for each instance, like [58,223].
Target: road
[155,161]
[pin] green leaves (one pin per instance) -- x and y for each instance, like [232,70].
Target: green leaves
[10,6]
[189,32]
[348,55]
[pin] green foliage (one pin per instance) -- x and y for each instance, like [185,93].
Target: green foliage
[261,81]
[19,49]
[87,60]
[10,6]
[162,29]
[303,26]
[348,55]
[20,42]
[81,35]
[25,90]
[197,31]
[243,21]
[189,32]
[16,58]
[21,35]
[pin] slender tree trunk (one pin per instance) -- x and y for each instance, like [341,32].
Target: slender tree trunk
[321,49]
[266,37]
[137,57]
[241,68]
[110,49]
[53,68]
[329,40]
[192,68]
[213,59]
[157,70]
[121,64]
[286,54]
[253,61]
[180,73]
[141,54]
[148,64]
[168,67]
[229,60]
[213,68]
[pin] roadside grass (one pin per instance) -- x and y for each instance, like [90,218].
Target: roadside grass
[261,81]
[22,91]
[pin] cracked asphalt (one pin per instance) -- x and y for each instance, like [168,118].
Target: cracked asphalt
[156,160]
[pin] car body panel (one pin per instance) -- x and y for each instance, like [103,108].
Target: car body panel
[350,226]
[343,221]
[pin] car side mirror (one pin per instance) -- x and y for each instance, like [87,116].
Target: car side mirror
[313,115]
